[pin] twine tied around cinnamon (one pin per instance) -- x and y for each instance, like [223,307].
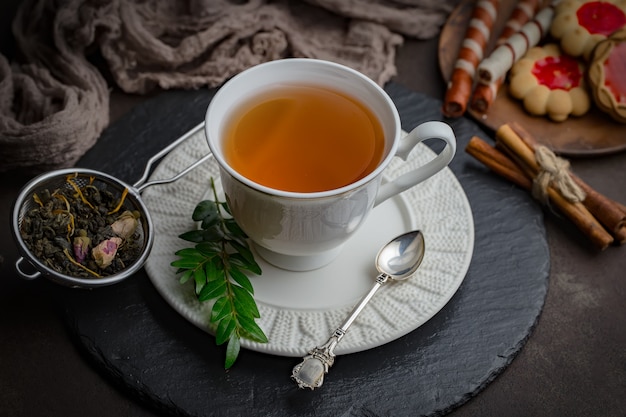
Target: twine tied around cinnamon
[554,171]
[517,157]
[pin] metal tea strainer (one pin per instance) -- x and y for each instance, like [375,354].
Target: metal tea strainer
[57,179]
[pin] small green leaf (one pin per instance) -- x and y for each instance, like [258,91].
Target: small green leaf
[212,289]
[224,206]
[189,253]
[214,234]
[244,302]
[221,309]
[210,221]
[186,276]
[239,261]
[195,236]
[243,250]
[241,279]
[233,227]
[204,209]
[232,351]
[225,329]
[252,330]
[209,249]
[215,269]
[186,263]
[200,279]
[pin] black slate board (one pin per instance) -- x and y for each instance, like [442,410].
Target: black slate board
[142,344]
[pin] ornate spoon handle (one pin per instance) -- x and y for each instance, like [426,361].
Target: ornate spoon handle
[310,372]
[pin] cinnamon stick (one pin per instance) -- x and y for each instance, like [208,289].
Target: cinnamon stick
[609,212]
[575,211]
[513,144]
[622,230]
[583,219]
[497,162]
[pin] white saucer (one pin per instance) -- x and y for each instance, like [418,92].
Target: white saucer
[300,310]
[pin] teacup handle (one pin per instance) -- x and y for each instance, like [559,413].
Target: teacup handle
[427,130]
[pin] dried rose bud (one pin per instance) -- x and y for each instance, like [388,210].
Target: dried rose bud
[105,251]
[126,224]
[81,246]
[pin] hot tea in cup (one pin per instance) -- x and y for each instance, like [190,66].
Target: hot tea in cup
[302,145]
[303,138]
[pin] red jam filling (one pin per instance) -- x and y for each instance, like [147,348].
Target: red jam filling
[614,70]
[557,72]
[600,17]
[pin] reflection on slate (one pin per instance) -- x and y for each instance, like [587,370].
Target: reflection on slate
[135,339]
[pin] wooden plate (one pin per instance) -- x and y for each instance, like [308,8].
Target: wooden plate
[593,134]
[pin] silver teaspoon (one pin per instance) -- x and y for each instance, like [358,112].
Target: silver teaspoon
[396,261]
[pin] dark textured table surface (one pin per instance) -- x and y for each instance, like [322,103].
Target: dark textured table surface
[430,371]
[574,362]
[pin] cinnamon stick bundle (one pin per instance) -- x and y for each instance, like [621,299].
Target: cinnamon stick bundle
[599,218]
[609,212]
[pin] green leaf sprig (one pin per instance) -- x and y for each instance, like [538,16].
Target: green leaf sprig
[218,264]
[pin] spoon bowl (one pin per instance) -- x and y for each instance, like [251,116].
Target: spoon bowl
[401,257]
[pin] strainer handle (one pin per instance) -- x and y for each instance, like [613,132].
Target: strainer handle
[23,274]
[140,184]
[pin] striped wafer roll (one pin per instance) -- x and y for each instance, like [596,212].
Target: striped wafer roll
[504,56]
[523,12]
[471,53]
[484,94]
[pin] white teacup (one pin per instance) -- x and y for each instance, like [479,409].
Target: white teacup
[304,231]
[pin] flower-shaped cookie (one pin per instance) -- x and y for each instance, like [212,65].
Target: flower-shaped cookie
[580,25]
[607,75]
[550,82]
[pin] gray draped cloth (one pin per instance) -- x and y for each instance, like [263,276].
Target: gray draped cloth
[54,102]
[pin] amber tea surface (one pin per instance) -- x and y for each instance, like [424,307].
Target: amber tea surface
[303,138]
